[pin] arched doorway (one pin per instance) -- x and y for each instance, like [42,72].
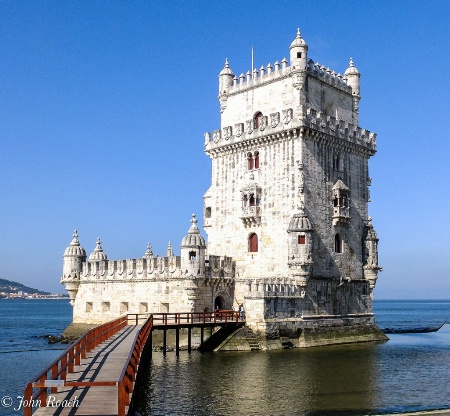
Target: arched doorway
[219,302]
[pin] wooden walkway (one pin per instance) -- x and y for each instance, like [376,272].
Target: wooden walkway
[104,363]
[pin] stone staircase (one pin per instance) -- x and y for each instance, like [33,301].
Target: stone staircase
[252,339]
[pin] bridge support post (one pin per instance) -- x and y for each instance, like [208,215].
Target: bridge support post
[164,341]
[189,339]
[201,335]
[150,344]
[177,341]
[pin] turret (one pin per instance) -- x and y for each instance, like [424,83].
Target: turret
[300,246]
[74,256]
[371,267]
[226,77]
[352,76]
[193,248]
[298,52]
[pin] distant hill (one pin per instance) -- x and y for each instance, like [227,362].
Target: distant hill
[8,286]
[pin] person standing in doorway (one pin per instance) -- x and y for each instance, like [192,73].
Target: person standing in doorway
[241,312]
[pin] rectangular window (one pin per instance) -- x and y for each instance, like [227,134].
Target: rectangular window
[143,307]
[106,306]
[89,306]
[301,239]
[123,307]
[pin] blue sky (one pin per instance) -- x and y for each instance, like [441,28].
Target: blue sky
[103,106]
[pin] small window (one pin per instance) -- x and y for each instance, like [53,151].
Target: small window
[257,120]
[208,212]
[252,201]
[192,255]
[256,160]
[253,243]
[250,161]
[89,306]
[299,54]
[143,307]
[301,239]
[106,306]
[337,244]
[123,307]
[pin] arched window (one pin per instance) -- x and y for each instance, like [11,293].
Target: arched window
[337,244]
[253,243]
[250,161]
[257,120]
[256,160]
[192,255]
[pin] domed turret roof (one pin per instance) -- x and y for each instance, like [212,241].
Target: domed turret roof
[226,69]
[300,222]
[75,248]
[298,41]
[351,70]
[98,253]
[149,252]
[193,237]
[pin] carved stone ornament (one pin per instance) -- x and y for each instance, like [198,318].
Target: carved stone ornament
[217,135]
[249,124]
[274,119]
[238,129]
[227,133]
[262,123]
[287,115]
[207,138]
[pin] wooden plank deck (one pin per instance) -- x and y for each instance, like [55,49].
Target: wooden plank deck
[104,363]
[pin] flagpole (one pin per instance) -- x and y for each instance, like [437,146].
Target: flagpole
[253,61]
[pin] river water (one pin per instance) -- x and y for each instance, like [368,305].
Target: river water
[409,372]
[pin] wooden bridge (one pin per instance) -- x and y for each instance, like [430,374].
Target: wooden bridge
[96,374]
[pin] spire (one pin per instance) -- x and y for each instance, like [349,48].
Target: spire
[149,252]
[169,252]
[98,253]
[75,241]
[193,229]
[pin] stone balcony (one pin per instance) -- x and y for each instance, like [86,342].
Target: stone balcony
[251,215]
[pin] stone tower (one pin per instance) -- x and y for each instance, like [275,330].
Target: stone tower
[289,195]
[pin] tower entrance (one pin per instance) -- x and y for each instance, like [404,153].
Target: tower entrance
[219,302]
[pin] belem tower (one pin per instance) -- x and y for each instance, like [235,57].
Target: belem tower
[289,235]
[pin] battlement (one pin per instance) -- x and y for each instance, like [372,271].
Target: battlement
[157,268]
[270,73]
[285,120]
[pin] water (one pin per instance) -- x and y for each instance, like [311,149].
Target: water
[23,351]
[410,372]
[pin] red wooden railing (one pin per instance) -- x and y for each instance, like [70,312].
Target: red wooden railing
[55,374]
[129,371]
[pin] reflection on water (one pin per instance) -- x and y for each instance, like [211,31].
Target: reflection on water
[410,372]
